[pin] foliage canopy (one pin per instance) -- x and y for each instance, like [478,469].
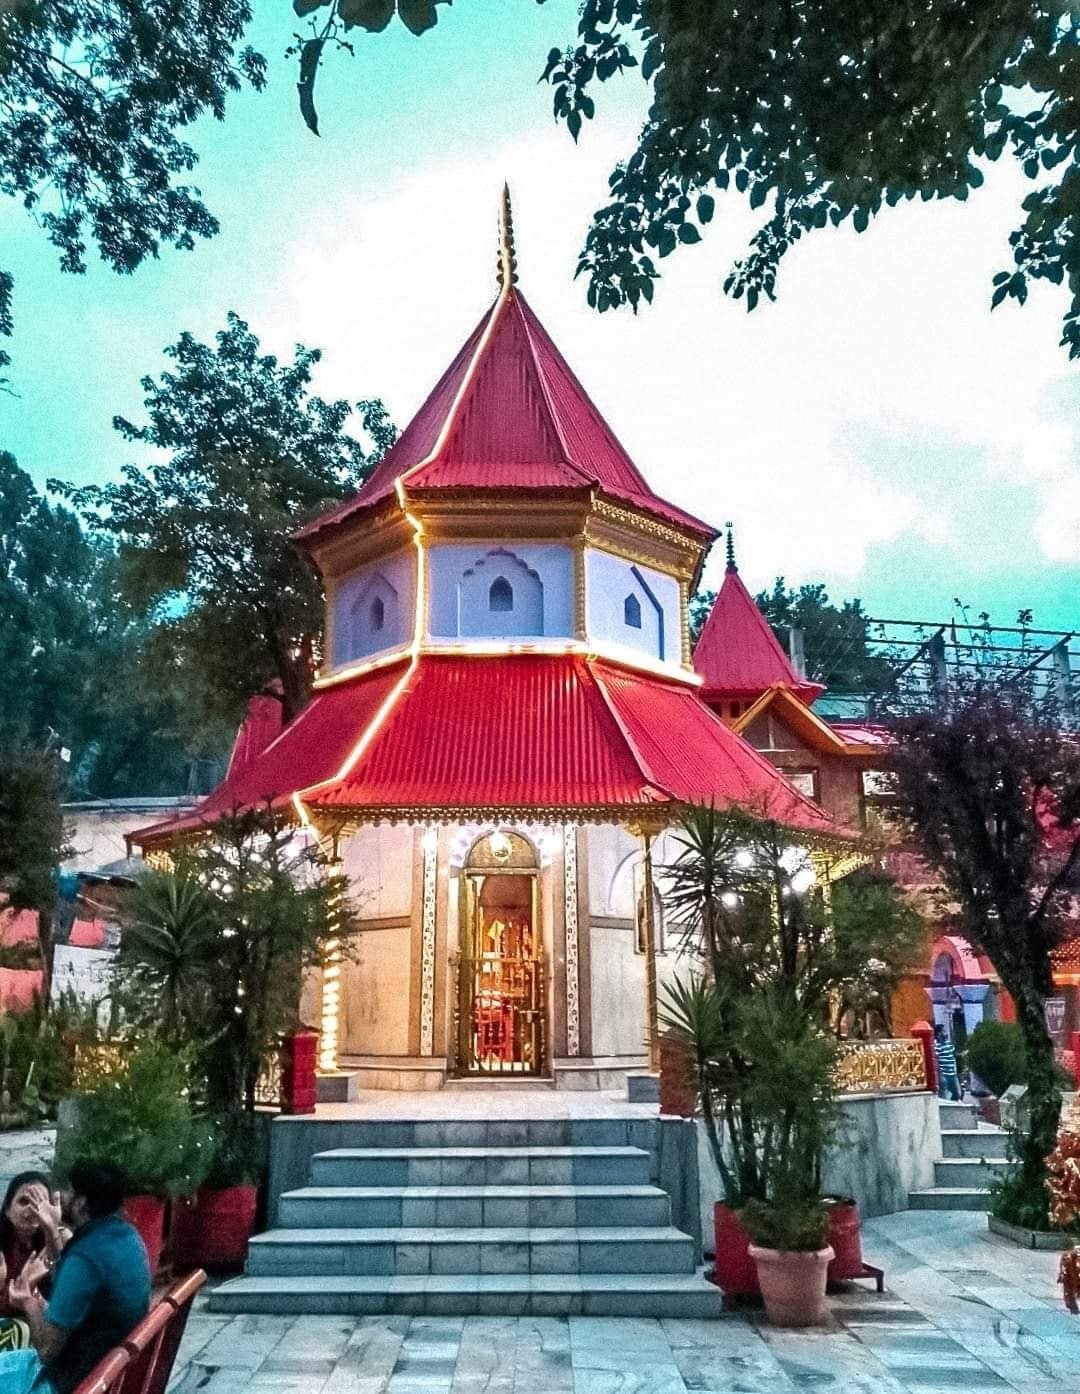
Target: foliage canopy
[73,657]
[94,95]
[243,454]
[987,789]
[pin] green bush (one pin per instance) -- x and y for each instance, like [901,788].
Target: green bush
[996,1054]
[140,1116]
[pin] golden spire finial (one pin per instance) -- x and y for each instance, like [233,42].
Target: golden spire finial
[507,255]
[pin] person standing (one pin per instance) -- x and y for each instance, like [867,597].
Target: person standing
[100,1290]
[948,1076]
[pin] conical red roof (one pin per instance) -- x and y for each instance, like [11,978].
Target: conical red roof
[738,655]
[509,414]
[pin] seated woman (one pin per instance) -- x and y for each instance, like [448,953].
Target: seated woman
[30,1225]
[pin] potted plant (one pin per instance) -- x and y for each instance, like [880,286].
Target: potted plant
[218,946]
[211,1228]
[760,1014]
[138,1112]
[789,1247]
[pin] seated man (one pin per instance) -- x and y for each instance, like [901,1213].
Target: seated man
[100,1290]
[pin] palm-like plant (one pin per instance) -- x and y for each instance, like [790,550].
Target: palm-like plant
[169,943]
[755,1019]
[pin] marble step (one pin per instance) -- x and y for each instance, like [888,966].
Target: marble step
[396,1133]
[956,1116]
[967,1171]
[986,1142]
[468,1294]
[949,1198]
[345,1252]
[530,1207]
[481,1166]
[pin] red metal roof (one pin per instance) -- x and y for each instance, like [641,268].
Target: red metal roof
[260,727]
[311,748]
[738,655]
[509,413]
[473,734]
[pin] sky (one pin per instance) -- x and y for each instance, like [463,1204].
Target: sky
[876,429]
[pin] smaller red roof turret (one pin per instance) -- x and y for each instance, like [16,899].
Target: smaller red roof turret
[738,655]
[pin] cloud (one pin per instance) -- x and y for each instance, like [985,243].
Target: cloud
[807,422]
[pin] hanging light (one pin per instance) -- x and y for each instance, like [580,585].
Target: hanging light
[744,858]
[729,900]
[500,846]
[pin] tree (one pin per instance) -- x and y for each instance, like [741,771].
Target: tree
[73,656]
[32,841]
[246,454]
[819,112]
[835,636]
[988,791]
[216,948]
[93,95]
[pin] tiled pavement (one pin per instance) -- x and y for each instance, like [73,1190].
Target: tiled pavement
[964,1311]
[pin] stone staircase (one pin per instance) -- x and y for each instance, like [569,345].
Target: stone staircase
[973,1154]
[477,1227]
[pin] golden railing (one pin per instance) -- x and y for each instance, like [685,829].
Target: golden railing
[499,1025]
[876,1067]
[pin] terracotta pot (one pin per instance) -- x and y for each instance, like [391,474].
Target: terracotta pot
[678,1091]
[845,1239]
[734,1272]
[147,1215]
[793,1285]
[211,1229]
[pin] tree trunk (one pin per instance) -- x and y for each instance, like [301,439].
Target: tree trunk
[1043,1095]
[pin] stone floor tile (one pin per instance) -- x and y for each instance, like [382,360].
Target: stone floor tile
[636,1379]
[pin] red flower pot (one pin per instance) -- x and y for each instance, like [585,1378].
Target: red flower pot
[735,1271]
[147,1215]
[211,1229]
[845,1239]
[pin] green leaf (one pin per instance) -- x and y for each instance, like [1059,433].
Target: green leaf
[861,219]
[419,15]
[305,7]
[689,233]
[706,206]
[372,15]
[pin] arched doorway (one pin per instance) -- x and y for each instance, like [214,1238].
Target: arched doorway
[502,1002]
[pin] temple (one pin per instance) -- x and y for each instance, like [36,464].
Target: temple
[508,721]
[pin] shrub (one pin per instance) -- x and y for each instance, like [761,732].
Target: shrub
[139,1115]
[996,1054]
[795,1226]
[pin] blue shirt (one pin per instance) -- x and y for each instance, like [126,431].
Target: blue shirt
[100,1291]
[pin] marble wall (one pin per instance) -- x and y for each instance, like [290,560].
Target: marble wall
[887,1148]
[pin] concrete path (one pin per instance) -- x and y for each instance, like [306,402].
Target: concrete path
[25,1149]
[964,1311]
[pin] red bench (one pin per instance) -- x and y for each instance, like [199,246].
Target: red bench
[143,1362]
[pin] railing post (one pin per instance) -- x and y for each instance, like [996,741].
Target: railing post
[924,1034]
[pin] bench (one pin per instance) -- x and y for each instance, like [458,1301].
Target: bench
[142,1363]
